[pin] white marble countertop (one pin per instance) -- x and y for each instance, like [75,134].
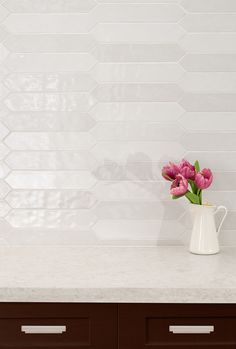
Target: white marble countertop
[116,274]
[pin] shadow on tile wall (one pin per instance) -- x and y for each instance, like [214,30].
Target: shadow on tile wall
[95,97]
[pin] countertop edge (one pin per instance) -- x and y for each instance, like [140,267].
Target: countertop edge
[118,295]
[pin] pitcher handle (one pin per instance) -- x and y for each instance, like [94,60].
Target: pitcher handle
[225,214]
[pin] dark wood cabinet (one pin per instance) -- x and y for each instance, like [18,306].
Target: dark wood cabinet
[166,326]
[117,326]
[58,326]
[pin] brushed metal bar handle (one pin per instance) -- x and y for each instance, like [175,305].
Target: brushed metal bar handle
[35,329]
[191,329]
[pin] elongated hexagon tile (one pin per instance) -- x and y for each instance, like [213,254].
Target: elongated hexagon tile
[138,32]
[58,82]
[3,53]
[50,43]
[49,141]
[4,189]
[137,210]
[80,102]
[211,102]
[144,230]
[4,169]
[209,141]
[117,13]
[126,72]
[209,43]
[137,92]
[209,121]
[4,150]
[49,62]
[209,5]
[4,208]
[209,62]
[137,111]
[136,151]
[51,219]
[216,160]
[131,191]
[51,160]
[221,82]
[44,23]
[53,121]
[51,199]
[124,131]
[130,171]
[49,5]
[117,52]
[223,22]
[50,179]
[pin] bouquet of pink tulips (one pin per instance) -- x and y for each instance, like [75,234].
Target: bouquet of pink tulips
[187,180]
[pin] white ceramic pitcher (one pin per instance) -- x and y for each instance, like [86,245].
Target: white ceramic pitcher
[204,238]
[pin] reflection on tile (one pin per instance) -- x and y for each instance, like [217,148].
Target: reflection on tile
[51,219]
[53,121]
[49,5]
[50,179]
[51,199]
[50,160]
[137,111]
[51,82]
[137,151]
[138,52]
[137,92]
[49,141]
[131,191]
[49,102]
[130,171]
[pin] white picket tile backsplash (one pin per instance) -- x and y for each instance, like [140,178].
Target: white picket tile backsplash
[96,95]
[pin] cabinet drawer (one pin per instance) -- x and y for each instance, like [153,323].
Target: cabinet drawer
[178,326]
[90,326]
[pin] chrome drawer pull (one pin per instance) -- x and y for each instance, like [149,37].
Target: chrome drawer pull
[191,329]
[32,329]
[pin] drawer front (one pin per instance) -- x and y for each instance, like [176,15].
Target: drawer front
[181,326]
[58,326]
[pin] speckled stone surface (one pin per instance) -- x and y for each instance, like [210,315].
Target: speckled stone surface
[116,274]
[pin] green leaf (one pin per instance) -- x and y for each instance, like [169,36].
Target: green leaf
[193,186]
[197,166]
[193,198]
[175,197]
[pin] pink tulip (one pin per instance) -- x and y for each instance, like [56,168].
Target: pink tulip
[204,178]
[170,171]
[179,186]
[187,170]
